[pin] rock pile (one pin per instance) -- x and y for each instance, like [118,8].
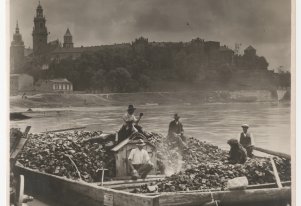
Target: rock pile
[69,154]
[206,167]
[202,166]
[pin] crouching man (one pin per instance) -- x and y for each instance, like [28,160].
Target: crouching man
[237,153]
[139,161]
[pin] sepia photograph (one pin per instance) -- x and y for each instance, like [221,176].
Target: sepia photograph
[151,103]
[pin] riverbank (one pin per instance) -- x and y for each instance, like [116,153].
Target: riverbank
[57,100]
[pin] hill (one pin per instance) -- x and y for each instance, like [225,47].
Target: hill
[140,65]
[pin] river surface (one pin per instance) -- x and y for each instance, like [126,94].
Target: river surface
[214,123]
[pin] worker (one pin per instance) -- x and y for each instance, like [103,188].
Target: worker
[130,124]
[176,132]
[139,161]
[237,153]
[246,140]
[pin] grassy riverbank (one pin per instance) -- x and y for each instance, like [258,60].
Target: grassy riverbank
[55,100]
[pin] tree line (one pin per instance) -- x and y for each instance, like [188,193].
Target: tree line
[133,67]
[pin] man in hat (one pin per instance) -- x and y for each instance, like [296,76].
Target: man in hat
[176,132]
[246,140]
[130,123]
[139,161]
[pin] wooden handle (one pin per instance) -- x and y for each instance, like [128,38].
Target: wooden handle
[276,175]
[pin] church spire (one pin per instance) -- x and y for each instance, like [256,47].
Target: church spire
[39,10]
[17,50]
[39,32]
[68,43]
[17,28]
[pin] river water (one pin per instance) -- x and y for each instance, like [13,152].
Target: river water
[214,123]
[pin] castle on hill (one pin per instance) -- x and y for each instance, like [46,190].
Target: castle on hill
[211,54]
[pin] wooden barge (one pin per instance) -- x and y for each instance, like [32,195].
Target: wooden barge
[68,192]
[115,193]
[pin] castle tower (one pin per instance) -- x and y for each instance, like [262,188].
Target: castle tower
[39,33]
[17,50]
[68,40]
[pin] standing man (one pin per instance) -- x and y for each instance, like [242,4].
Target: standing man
[139,161]
[246,140]
[129,124]
[176,132]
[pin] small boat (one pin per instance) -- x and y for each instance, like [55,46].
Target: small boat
[15,116]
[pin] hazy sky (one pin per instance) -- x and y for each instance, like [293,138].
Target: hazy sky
[265,24]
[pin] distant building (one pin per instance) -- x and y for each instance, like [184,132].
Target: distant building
[68,43]
[16,51]
[54,85]
[226,55]
[39,33]
[250,51]
[21,82]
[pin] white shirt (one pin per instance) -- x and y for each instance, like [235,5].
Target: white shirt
[128,118]
[139,156]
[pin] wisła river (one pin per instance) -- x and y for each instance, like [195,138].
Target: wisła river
[214,123]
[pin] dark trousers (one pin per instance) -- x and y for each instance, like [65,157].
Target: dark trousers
[249,151]
[143,169]
[180,140]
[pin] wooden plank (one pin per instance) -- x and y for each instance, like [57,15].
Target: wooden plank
[120,182]
[259,186]
[126,186]
[226,197]
[25,133]
[62,130]
[129,177]
[271,152]
[276,175]
[18,148]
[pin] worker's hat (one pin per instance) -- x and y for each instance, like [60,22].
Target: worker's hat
[140,142]
[131,108]
[245,126]
[176,116]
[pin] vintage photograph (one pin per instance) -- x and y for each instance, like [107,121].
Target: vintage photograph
[150,102]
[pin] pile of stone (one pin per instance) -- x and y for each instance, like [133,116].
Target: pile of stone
[69,154]
[202,166]
[206,167]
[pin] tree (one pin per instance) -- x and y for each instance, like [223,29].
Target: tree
[262,63]
[119,80]
[225,73]
[98,80]
[284,79]
[144,82]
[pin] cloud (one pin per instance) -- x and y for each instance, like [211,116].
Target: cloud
[93,22]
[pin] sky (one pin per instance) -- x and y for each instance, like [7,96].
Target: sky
[264,24]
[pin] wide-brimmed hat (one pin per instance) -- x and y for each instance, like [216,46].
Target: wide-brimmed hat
[131,108]
[140,142]
[245,126]
[176,116]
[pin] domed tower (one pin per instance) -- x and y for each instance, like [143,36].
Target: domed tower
[39,33]
[68,43]
[17,50]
